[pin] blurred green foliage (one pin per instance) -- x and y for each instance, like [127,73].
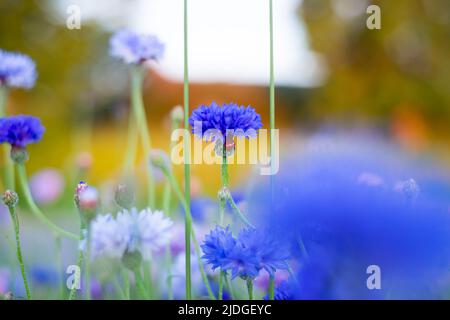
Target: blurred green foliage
[374,73]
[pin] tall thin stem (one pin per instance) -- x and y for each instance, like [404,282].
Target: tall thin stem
[187,178]
[250,289]
[87,266]
[271,287]
[272,109]
[8,164]
[35,209]
[176,188]
[141,122]
[15,221]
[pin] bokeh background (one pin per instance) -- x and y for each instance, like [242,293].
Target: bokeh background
[331,71]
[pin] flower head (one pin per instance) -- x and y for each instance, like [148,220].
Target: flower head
[218,122]
[21,130]
[245,256]
[218,246]
[135,48]
[141,232]
[17,70]
[271,255]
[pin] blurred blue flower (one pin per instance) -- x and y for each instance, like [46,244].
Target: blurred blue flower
[17,70]
[344,204]
[21,130]
[201,207]
[284,291]
[135,48]
[217,122]
[245,256]
[42,275]
[270,254]
[217,246]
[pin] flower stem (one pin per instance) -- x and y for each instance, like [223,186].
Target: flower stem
[74,289]
[239,212]
[132,144]
[141,122]
[35,209]
[126,283]
[140,284]
[176,188]
[221,278]
[8,164]
[271,288]
[250,289]
[59,263]
[87,266]
[187,180]
[15,221]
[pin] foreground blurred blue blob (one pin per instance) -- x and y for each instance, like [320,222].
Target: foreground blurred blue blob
[344,204]
[43,275]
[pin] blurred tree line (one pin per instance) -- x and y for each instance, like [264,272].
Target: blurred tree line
[398,75]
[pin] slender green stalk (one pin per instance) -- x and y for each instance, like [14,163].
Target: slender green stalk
[35,209]
[187,173]
[15,220]
[239,213]
[119,288]
[221,276]
[126,284]
[87,267]
[148,280]
[271,288]
[250,289]
[74,289]
[132,144]
[8,164]
[176,188]
[272,110]
[229,287]
[141,122]
[140,284]
[59,263]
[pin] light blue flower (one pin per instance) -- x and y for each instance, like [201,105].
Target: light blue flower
[17,70]
[133,48]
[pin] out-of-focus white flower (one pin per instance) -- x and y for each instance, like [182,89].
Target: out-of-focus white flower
[145,231]
[148,231]
[108,237]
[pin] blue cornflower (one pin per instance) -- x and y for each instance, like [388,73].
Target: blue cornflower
[217,246]
[21,130]
[17,70]
[135,48]
[245,256]
[270,253]
[218,122]
[347,202]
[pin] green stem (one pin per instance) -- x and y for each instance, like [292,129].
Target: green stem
[221,275]
[141,122]
[58,249]
[126,283]
[239,213]
[176,188]
[140,284]
[74,289]
[250,289]
[15,221]
[229,287]
[148,280]
[35,209]
[271,288]
[87,266]
[118,288]
[187,180]
[132,144]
